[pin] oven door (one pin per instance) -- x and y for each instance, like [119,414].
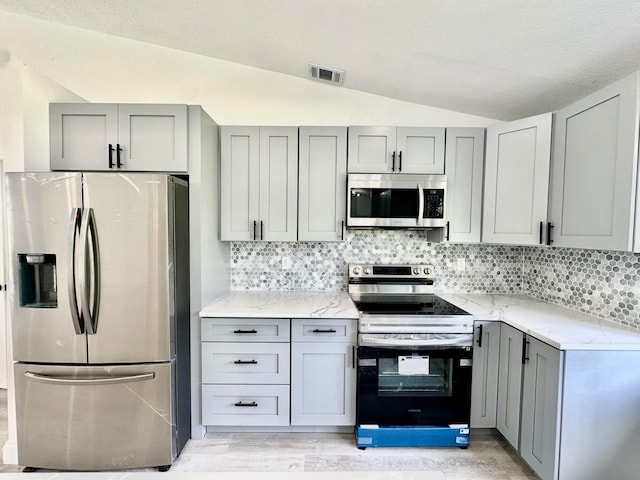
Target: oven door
[414,386]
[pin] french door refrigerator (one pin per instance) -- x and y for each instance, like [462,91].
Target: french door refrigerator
[100,318]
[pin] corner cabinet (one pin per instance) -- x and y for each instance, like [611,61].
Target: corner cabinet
[323,372]
[595,170]
[259,183]
[118,137]
[464,166]
[484,381]
[414,150]
[516,181]
[322,183]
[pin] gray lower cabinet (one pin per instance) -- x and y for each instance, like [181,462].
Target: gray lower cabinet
[570,414]
[484,384]
[541,395]
[278,372]
[245,371]
[323,373]
[509,384]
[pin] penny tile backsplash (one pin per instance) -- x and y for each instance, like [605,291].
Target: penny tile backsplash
[601,283]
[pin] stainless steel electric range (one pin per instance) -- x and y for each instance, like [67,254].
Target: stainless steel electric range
[414,359]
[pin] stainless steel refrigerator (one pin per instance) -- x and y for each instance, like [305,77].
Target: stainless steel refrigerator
[99,294]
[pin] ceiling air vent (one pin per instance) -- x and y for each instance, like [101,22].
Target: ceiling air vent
[331,75]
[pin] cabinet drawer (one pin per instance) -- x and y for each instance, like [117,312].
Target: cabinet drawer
[241,363]
[245,330]
[323,330]
[253,405]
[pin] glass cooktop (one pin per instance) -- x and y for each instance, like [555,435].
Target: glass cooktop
[406,305]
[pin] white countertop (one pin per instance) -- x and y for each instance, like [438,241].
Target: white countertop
[559,327]
[288,304]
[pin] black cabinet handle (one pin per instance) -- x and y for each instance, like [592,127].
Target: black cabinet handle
[342,230]
[254,229]
[110,156]
[479,341]
[353,356]
[317,330]
[246,362]
[400,161]
[550,227]
[393,162]
[541,228]
[448,231]
[525,350]
[245,331]
[261,229]
[118,150]
[242,404]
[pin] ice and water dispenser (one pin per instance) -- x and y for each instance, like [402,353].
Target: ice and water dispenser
[38,286]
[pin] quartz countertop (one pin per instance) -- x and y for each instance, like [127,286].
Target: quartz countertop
[559,327]
[277,304]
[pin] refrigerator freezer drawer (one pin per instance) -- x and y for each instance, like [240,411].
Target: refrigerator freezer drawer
[95,418]
[249,405]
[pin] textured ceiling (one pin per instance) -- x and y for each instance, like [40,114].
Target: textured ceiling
[501,59]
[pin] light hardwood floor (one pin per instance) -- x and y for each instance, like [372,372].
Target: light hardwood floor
[488,457]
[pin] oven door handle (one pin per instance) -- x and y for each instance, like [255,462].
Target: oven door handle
[420,205]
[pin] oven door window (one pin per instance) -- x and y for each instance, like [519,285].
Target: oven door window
[414,376]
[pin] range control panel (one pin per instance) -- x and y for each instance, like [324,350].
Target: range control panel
[390,271]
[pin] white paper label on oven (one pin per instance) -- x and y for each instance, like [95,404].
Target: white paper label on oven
[413,365]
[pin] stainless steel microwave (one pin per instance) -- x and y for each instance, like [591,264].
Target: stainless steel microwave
[396,201]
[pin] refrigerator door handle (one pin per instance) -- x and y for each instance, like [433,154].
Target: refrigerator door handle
[89,233]
[37,377]
[74,228]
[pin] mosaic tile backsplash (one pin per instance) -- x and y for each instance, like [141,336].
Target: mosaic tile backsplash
[601,283]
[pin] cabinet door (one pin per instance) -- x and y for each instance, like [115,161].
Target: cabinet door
[278,183]
[509,384]
[517,181]
[594,169]
[371,149]
[323,384]
[239,182]
[539,440]
[80,134]
[420,150]
[322,183]
[484,383]
[464,168]
[153,138]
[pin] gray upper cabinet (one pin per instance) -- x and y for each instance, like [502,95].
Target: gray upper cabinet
[322,183]
[259,183]
[464,164]
[594,171]
[516,182]
[118,137]
[415,150]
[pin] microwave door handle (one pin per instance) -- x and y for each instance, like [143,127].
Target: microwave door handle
[74,227]
[420,205]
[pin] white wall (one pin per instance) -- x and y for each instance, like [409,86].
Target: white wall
[42,61]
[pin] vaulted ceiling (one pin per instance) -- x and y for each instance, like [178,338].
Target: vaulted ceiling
[501,59]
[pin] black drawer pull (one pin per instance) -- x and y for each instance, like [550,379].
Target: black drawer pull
[246,362]
[245,331]
[241,404]
[317,330]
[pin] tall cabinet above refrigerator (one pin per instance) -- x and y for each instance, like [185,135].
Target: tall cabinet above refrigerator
[99,268]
